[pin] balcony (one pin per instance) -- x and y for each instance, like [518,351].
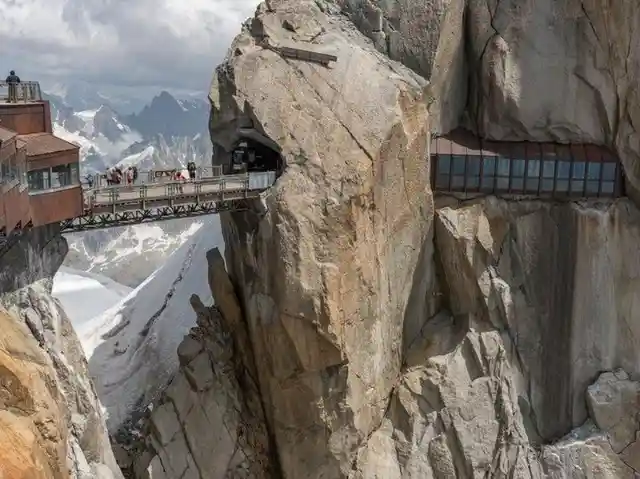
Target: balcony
[53,177]
[22,108]
[24,92]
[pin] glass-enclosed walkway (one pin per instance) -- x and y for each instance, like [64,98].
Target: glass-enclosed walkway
[461,162]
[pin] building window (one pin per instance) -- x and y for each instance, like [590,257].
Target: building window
[59,176]
[40,180]
[10,170]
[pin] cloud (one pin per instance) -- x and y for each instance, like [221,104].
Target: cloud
[173,44]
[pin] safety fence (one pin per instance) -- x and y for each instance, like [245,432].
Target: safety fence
[147,177]
[140,196]
[23,92]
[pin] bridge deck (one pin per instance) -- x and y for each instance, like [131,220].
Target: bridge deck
[121,205]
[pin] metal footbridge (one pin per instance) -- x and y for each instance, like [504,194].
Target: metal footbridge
[157,197]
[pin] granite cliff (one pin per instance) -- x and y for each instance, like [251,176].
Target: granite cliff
[51,424]
[368,330]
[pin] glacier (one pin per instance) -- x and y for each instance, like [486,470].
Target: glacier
[131,345]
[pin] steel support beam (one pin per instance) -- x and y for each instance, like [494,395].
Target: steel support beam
[125,218]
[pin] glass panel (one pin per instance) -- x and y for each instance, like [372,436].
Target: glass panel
[458,165]
[473,166]
[548,169]
[5,172]
[60,176]
[562,185]
[577,186]
[75,174]
[488,166]
[473,172]
[487,183]
[502,183]
[608,171]
[444,164]
[517,184]
[607,187]
[547,186]
[532,185]
[443,181]
[503,166]
[579,168]
[533,169]
[457,182]
[564,168]
[593,171]
[592,186]
[517,168]
[39,180]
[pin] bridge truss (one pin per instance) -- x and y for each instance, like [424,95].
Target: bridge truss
[161,213]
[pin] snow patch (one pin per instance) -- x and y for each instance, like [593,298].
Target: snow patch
[132,346]
[86,295]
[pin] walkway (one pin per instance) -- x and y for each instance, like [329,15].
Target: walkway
[162,199]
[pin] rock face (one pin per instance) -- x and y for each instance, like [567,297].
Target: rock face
[563,70]
[326,273]
[209,423]
[51,425]
[364,332]
[560,280]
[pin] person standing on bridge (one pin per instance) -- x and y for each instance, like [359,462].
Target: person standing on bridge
[191,168]
[12,81]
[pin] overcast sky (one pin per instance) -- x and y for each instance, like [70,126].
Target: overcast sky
[172,44]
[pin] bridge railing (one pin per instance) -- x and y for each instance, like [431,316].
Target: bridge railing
[146,177]
[23,92]
[247,184]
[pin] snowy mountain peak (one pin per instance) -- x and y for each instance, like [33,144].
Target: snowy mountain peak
[167,133]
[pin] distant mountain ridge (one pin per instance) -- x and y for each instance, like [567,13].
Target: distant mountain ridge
[168,116]
[166,133]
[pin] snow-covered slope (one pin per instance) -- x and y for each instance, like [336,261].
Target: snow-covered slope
[132,346]
[85,295]
[128,255]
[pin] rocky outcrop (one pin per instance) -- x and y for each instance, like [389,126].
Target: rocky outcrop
[34,255]
[50,404]
[325,274]
[357,337]
[209,422]
[558,282]
[51,425]
[548,70]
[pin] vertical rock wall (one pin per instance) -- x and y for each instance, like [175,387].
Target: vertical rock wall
[325,274]
[52,423]
[544,70]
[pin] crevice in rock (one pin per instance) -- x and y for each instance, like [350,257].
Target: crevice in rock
[480,94]
[187,443]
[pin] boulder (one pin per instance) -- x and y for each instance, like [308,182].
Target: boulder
[325,266]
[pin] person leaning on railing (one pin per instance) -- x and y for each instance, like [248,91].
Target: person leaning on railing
[12,81]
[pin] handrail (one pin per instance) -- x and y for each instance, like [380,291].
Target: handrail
[24,92]
[163,176]
[247,184]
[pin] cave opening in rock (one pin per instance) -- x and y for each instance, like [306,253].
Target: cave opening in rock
[255,152]
[464,163]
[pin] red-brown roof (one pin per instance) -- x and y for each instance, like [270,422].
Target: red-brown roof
[45,143]
[6,134]
[463,142]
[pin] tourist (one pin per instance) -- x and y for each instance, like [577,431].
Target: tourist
[12,81]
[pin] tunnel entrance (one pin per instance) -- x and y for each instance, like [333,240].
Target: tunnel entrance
[254,152]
